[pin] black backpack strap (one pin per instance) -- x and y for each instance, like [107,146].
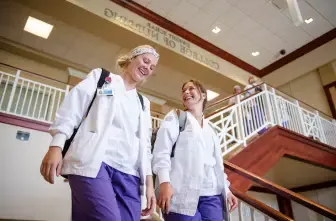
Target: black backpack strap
[104,74]
[141,101]
[182,116]
[100,83]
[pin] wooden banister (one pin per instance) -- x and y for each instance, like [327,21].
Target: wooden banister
[279,190]
[269,211]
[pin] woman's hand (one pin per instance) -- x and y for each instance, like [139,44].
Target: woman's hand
[233,201]
[51,164]
[150,195]
[166,193]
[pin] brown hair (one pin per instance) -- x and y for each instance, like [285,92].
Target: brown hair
[201,89]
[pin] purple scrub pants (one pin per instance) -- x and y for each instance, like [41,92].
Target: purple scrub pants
[209,208]
[111,196]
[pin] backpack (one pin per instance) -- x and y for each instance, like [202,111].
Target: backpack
[100,84]
[182,116]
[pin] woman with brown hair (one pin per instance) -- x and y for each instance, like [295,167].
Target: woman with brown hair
[192,183]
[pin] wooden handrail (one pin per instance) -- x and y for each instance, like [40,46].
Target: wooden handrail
[288,194]
[269,211]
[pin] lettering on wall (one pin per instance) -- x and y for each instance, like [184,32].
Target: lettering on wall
[161,36]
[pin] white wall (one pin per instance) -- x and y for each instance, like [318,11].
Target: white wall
[23,192]
[325,197]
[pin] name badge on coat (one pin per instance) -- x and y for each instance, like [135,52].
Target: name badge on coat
[105,92]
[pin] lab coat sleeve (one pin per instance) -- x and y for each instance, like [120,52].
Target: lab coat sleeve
[73,108]
[165,139]
[221,164]
[148,140]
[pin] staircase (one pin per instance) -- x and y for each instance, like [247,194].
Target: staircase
[254,133]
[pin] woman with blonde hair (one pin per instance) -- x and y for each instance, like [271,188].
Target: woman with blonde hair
[108,164]
[189,163]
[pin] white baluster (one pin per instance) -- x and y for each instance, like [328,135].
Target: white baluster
[276,107]
[268,105]
[13,91]
[320,127]
[241,130]
[67,89]
[24,98]
[18,98]
[240,211]
[52,105]
[302,123]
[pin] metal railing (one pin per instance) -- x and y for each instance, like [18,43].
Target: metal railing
[21,96]
[250,116]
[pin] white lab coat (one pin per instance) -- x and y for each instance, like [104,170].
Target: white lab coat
[185,171]
[87,150]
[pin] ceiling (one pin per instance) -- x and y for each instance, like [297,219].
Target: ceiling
[249,25]
[291,173]
[84,41]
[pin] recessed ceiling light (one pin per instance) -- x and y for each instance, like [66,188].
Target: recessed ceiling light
[256,53]
[216,30]
[309,20]
[211,95]
[38,27]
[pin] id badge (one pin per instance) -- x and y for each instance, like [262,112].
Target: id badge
[105,92]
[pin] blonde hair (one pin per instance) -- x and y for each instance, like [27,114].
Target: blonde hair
[124,60]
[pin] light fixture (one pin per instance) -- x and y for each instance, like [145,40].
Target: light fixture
[211,95]
[309,20]
[256,53]
[38,27]
[216,30]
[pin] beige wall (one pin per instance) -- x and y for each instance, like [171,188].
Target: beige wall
[325,197]
[327,73]
[23,192]
[33,66]
[309,89]
[299,67]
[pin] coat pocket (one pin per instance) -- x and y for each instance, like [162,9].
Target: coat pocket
[81,146]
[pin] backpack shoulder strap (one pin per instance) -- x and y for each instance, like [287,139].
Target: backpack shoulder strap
[100,84]
[182,116]
[101,81]
[141,101]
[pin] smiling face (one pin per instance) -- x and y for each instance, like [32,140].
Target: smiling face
[141,67]
[193,95]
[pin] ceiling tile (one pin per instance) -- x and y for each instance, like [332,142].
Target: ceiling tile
[214,38]
[201,23]
[269,40]
[162,7]
[250,6]
[216,7]
[199,3]
[142,2]
[326,8]
[247,26]
[182,12]
[316,28]
[232,17]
